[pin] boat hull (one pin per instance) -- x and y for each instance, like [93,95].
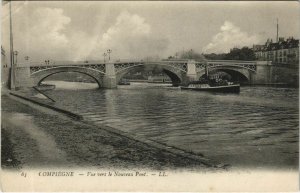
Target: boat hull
[224,89]
[124,83]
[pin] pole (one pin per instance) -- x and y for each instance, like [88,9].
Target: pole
[277,32]
[12,69]
[109,51]
[104,55]
[206,70]
[16,60]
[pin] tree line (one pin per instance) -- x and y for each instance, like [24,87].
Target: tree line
[244,53]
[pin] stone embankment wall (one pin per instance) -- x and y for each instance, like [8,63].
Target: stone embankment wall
[281,74]
[276,74]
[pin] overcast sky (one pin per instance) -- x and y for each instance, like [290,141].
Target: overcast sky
[85,30]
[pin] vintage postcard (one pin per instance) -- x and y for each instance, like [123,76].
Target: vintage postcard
[150,96]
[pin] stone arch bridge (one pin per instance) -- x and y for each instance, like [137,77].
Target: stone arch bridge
[107,75]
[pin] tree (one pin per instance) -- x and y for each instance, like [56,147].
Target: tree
[214,56]
[244,53]
[191,54]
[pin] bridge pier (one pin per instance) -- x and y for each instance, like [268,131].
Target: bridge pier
[268,74]
[23,79]
[110,79]
[263,73]
[109,82]
[191,70]
[191,74]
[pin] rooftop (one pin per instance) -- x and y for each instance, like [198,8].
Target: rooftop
[281,44]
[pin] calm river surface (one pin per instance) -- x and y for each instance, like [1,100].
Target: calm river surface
[256,128]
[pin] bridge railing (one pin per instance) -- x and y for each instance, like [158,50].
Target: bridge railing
[61,63]
[98,67]
[231,61]
[180,65]
[249,65]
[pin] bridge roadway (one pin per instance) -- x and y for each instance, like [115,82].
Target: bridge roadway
[108,74]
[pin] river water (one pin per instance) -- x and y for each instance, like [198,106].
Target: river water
[257,128]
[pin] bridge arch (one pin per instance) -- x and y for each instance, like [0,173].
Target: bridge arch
[176,73]
[41,75]
[237,74]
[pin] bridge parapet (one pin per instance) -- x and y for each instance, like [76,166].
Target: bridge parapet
[120,66]
[97,67]
[263,63]
[200,66]
[178,65]
[249,65]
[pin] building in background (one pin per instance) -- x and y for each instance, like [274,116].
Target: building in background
[280,52]
[5,69]
[162,78]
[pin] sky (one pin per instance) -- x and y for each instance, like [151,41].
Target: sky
[83,30]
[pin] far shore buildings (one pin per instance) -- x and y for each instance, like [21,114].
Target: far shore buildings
[5,69]
[280,52]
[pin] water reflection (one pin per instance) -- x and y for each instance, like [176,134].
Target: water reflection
[63,85]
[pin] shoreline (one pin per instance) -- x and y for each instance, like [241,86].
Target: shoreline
[86,145]
[275,85]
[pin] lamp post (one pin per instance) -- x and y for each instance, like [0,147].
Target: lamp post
[12,71]
[26,60]
[109,51]
[16,54]
[104,55]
